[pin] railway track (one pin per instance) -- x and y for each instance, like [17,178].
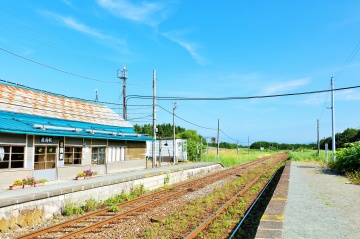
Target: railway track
[202,226]
[103,219]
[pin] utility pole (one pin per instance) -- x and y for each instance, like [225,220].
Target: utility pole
[318,136]
[123,76]
[154,120]
[333,118]
[174,148]
[218,138]
[237,146]
[248,144]
[201,149]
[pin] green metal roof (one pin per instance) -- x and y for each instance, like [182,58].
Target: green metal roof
[37,125]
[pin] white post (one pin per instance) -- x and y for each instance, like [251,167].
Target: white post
[333,118]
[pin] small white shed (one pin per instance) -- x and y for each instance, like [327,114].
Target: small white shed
[164,148]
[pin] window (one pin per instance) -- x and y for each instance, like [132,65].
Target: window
[73,155]
[45,157]
[11,156]
[98,155]
[115,153]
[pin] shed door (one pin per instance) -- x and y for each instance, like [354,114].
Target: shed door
[45,162]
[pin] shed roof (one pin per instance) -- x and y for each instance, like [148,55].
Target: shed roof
[16,99]
[27,111]
[27,124]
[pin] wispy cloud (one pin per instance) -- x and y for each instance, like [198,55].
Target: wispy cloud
[192,48]
[317,99]
[83,28]
[67,2]
[347,95]
[146,13]
[285,86]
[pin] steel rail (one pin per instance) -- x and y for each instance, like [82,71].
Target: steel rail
[211,177]
[252,205]
[109,220]
[212,217]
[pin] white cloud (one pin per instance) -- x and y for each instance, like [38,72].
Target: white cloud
[285,86]
[347,95]
[146,13]
[67,2]
[81,27]
[317,99]
[189,47]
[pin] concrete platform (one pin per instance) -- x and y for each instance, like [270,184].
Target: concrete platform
[311,202]
[271,223]
[26,207]
[61,187]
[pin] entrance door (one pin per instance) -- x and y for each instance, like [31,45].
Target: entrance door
[45,162]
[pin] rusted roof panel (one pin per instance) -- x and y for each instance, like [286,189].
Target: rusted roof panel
[25,101]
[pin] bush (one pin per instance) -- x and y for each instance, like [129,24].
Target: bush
[347,159]
[91,205]
[354,177]
[114,208]
[71,209]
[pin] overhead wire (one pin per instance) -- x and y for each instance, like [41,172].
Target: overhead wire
[186,120]
[183,98]
[324,106]
[57,69]
[347,62]
[243,97]
[227,135]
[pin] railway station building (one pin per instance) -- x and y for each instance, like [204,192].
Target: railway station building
[53,137]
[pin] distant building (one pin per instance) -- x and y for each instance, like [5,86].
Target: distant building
[55,137]
[165,149]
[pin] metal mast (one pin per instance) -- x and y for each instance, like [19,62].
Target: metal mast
[123,76]
[174,148]
[154,120]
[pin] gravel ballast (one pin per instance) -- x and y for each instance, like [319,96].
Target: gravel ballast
[320,204]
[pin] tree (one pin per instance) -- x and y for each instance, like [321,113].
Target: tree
[192,140]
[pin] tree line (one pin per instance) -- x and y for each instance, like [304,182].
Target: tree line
[349,135]
[194,139]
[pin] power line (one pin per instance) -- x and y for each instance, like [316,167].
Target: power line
[324,106]
[186,120]
[241,97]
[57,69]
[347,62]
[228,136]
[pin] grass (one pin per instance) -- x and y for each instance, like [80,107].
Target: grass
[189,217]
[92,204]
[230,157]
[308,156]
[354,177]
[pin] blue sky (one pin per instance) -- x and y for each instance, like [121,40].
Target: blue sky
[199,49]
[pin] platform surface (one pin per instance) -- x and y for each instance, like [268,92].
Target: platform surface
[58,187]
[317,204]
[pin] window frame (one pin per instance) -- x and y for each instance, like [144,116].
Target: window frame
[73,154]
[98,158]
[10,155]
[46,155]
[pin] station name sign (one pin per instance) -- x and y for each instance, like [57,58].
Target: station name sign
[46,139]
